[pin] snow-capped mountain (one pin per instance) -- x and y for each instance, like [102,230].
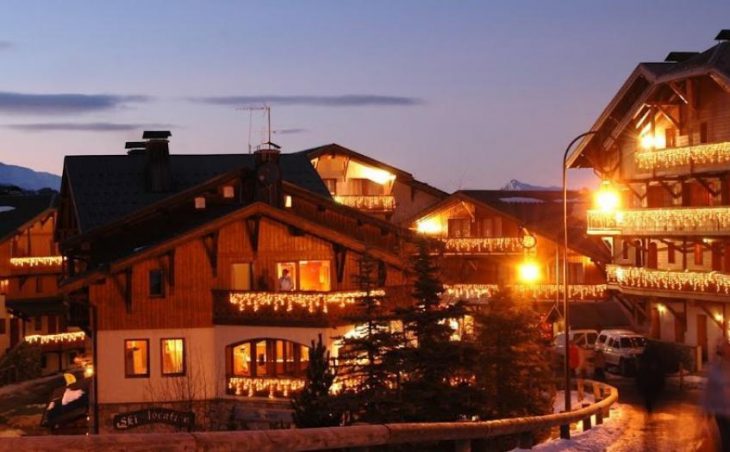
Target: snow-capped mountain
[27,178]
[516,185]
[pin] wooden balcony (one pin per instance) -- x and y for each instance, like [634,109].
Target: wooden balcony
[666,283]
[538,292]
[372,203]
[708,155]
[288,308]
[665,221]
[484,245]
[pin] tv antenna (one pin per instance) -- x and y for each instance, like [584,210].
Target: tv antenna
[250,110]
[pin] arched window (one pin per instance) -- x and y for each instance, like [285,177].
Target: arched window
[266,357]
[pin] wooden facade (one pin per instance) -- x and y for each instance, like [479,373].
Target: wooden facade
[669,158]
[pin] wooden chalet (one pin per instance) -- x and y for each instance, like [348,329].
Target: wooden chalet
[203,279]
[30,265]
[496,239]
[664,143]
[359,181]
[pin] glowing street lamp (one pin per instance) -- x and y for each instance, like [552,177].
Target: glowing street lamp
[528,272]
[607,198]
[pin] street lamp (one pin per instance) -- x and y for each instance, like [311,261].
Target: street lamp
[607,199]
[528,272]
[566,329]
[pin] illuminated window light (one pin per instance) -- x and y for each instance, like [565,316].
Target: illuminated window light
[287,201]
[429,226]
[199,202]
[228,191]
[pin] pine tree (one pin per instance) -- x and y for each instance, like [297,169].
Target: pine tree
[438,384]
[514,366]
[369,376]
[315,406]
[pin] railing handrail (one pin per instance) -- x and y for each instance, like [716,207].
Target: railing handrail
[326,437]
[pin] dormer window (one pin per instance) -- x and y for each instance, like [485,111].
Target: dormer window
[200,202]
[228,192]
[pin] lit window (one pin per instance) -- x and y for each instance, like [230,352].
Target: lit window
[262,358]
[199,202]
[287,201]
[242,360]
[228,192]
[314,275]
[173,356]
[157,283]
[136,358]
[286,274]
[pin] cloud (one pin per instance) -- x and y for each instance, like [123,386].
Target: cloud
[348,100]
[84,127]
[54,104]
[288,131]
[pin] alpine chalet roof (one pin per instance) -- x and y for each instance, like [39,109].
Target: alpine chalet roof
[17,210]
[645,79]
[106,188]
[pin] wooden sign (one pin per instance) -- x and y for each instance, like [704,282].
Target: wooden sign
[180,419]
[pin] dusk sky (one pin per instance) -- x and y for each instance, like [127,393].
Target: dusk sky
[462,94]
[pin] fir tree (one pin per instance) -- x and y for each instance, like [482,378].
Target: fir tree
[369,376]
[315,406]
[514,366]
[438,384]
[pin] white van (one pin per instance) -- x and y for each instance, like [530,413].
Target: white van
[621,348]
[584,338]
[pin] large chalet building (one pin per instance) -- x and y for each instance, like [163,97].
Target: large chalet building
[202,280]
[664,143]
[30,265]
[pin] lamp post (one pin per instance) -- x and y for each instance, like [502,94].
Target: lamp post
[566,317]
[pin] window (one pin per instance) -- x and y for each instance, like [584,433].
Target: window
[314,275]
[157,283]
[38,323]
[136,358]
[459,227]
[173,356]
[241,276]
[286,274]
[671,253]
[228,191]
[267,358]
[288,201]
[200,202]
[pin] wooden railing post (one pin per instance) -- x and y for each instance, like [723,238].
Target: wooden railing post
[565,431]
[586,423]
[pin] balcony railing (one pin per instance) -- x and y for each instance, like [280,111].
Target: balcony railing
[477,292]
[288,308]
[486,245]
[664,221]
[675,282]
[384,203]
[703,155]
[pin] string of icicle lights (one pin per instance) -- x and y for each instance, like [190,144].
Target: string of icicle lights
[687,281]
[701,154]
[286,301]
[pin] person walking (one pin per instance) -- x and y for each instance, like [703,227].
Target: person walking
[650,376]
[716,398]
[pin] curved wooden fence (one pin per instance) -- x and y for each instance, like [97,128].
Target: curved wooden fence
[360,437]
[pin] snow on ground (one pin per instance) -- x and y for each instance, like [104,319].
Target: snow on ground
[25,385]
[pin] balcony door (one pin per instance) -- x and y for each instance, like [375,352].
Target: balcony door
[241,276]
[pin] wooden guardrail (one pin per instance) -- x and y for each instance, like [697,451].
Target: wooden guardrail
[460,434]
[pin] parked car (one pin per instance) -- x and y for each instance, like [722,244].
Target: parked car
[585,338]
[621,348]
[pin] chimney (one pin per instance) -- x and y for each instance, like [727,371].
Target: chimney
[135,147]
[268,174]
[724,35]
[157,161]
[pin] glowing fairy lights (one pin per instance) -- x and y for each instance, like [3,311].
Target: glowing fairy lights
[367,202]
[491,245]
[36,261]
[699,220]
[682,281]
[702,154]
[274,387]
[313,302]
[60,338]
[478,292]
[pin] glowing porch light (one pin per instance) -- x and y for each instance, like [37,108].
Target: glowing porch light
[528,272]
[607,199]
[661,308]
[719,317]
[429,226]
[649,141]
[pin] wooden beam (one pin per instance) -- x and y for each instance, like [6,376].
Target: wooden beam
[210,243]
[663,111]
[710,315]
[252,231]
[706,186]
[674,86]
[340,253]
